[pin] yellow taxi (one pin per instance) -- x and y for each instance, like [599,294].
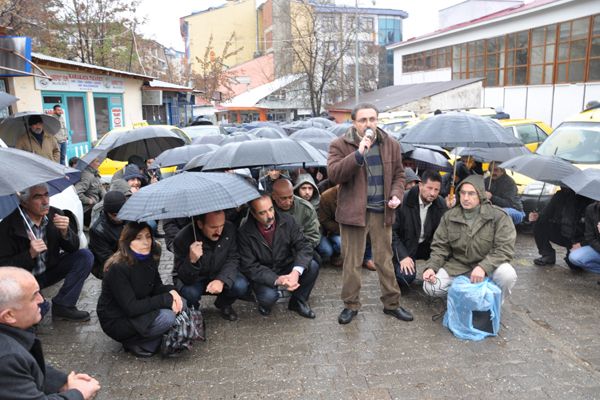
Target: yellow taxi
[531,132]
[109,167]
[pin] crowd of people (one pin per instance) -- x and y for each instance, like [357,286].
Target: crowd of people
[364,211]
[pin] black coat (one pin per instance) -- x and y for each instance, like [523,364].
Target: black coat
[23,371]
[172,227]
[14,243]
[567,209]
[592,217]
[220,260]
[104,241]
[504,192]
[407,227]
[262,263]
[131,299]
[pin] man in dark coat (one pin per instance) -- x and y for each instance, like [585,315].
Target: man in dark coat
[274,253]
[502,192]
[207,261]
[416,222]
[44,241]
[105,231]
[23,371]
[561,222]
[588,256]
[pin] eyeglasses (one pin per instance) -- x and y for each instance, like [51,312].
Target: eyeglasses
[365,120]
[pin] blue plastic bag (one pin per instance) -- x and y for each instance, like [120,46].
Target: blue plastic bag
[467,301]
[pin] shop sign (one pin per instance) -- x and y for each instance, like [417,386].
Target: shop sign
[117,117]
[80,82]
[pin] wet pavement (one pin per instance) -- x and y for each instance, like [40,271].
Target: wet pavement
[548,347]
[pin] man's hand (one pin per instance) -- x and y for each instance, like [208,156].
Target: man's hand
[196,251]
[575,246]
[477,275]
[91,201]
[488,195]
[61,223]
[533,216]
[394,202]
[290,281]
[84,383]
[36,246]
[215,287]
[364,145]
[450,201]
[429,275]
[177,304]
[407,265]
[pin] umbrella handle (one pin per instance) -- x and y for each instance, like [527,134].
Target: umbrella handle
[537,203]
[27,223]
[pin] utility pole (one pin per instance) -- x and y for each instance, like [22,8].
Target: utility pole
[356,69]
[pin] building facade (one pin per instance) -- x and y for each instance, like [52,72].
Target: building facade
[537,60]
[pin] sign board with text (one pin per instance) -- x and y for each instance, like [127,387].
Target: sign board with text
[80,82]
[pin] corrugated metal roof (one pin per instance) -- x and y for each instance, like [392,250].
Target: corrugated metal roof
[253,96]
[394,96]
[43,57]
[168,85]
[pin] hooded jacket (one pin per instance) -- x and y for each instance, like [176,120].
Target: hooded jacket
[306,217]
[504,192]
[316,197]
[89,188]
[344,169]
[488,242]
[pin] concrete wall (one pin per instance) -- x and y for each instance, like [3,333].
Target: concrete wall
[30,99]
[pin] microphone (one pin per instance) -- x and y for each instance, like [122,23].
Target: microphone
[369,133]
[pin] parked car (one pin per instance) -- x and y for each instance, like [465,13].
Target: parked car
[202,130]
[530,131]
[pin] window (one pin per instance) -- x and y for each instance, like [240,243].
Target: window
[516,58]
[389,30]
[543,45]
[594,66]
[328,23]
[427,60]
[366,24]
[531,134]
[572,48]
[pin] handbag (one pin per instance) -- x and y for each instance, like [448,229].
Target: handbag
[188,327]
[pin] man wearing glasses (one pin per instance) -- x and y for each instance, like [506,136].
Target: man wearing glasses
[475,239]
[367,165]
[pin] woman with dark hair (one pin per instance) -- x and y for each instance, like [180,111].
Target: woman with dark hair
[135,307]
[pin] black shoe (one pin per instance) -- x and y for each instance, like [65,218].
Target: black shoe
[137,351]
[404,289]
[545,260]
[228,313]
[346,316]
[399,313]
[301,308]
[264,310]
[69,313]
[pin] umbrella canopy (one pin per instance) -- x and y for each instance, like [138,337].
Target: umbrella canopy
[461,129]
[549,169]
[340,129]
[317,137]
[428,159]
[146,142]
[585,183]
[263,152]
[296,126]
[209,139]
[7,99]
[237,137]
[268,132]
[261,124]
[188,194]
[492,154]
[182,155]
[16,125]
[198,162]
[321,122]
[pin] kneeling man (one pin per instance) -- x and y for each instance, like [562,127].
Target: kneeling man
[476,239]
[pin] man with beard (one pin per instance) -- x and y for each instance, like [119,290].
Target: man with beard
[37,141]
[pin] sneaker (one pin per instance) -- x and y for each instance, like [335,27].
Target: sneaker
[69,313]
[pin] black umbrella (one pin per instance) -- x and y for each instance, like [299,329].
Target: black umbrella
[257,153]
[188,194]
[16,125]
[198,162]
[549,169]
[320,122]
[268,132]
[182,155]
[317,137]
[296,126]
[428,159]
[209,139]
[146,142]
[492,154]
[237,137]
[340,129]
[461,129]
[585,183]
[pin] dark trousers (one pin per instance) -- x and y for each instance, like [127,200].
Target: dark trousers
[74,268]
[267,296]
[193,293]
[151,338]
[545,232]
[423,253]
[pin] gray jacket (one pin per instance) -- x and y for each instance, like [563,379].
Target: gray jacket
[23,372]
[307,178]
[504,192]
[89,188]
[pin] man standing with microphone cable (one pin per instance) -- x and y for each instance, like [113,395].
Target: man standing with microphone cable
[367,164]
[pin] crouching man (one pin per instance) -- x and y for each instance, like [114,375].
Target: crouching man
[474,238]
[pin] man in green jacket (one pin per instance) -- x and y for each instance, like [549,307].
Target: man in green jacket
[475,238]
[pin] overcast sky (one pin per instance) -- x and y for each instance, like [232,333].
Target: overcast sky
[163,17]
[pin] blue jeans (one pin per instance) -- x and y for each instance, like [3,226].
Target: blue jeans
[516,215]
[587,258]
[328,246]
[193,293]
[74,268]
[150,340]
[266,296]
[63,153]
[368,252]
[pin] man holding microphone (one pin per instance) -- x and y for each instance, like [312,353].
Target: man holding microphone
[367,164]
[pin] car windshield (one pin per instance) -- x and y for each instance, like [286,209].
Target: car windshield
[577,142]
[201,130]
[394,126]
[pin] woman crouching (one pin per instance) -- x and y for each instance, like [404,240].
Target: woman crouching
[135,307]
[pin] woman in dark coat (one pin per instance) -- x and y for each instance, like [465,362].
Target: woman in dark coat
[135,307]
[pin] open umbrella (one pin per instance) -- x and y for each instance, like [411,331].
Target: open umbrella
[188,194]
[340,129]
[548,169]
[198,162]
[492,154]
[16,125]
[146,142]
[7,99]
[428,159]
[257,153]
[182,155]
[209,139]
[585,183]
[268,132]
[237,137]
[461,129]
[320,122]
[317,137]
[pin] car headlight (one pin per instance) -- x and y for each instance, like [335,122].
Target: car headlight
[538,188]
